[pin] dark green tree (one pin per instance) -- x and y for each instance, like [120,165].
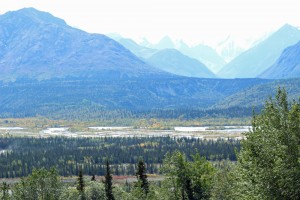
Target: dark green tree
[108,183]
[268,163]
[142,177]
[80,185]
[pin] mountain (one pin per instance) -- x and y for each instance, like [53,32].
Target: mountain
[228,49]
[205,54]
[170,60]
[286,66]
[165,43]
[256,95]
[256,60]
[138,50]
[37,45]
[48,67]
[173,61]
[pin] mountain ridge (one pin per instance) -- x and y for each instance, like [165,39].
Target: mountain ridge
[173,61]
[51,48]
[286,66]
[254,61]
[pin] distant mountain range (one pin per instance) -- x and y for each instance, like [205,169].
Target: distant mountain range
[205,54]
[165,43]
[139,50]
[256,60]
[228,49]
[49,67]
[286,66]
[243,63]
[37,45]
[173,61]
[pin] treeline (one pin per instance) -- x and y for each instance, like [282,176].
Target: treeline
[20,155]
[87,111]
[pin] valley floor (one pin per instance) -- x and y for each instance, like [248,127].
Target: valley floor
[207,132]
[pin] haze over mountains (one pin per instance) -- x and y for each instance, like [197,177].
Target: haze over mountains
[37,45]
[47,66]
[45,37]
[256,60]
[286,66]
[243,63]
[199,61]
[173,61]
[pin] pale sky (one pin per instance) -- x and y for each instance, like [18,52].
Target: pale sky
[194,21]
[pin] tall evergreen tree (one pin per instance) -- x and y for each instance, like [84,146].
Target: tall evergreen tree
[108,183]
[142,177]
[80,185]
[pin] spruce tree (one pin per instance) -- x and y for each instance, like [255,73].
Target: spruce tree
[80,185]
[142,177]
[108,183]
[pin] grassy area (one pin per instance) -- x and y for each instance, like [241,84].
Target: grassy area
[37,124]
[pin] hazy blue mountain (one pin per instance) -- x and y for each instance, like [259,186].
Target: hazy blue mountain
[205,54]
[165,43]
[37,45]
[184,66]
[256,95]
[138,50]
[256,60]
[286,66]
[173,61]
[228,49]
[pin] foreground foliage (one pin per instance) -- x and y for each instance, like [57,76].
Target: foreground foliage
[189,179]
[269,161]
[185,180]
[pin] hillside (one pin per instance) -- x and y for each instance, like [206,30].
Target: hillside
[50,48]
[256,95]
[286,66]
[256,60]
[173,61]
[47,97]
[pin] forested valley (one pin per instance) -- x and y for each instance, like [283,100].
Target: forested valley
[264,166]
[20,155]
